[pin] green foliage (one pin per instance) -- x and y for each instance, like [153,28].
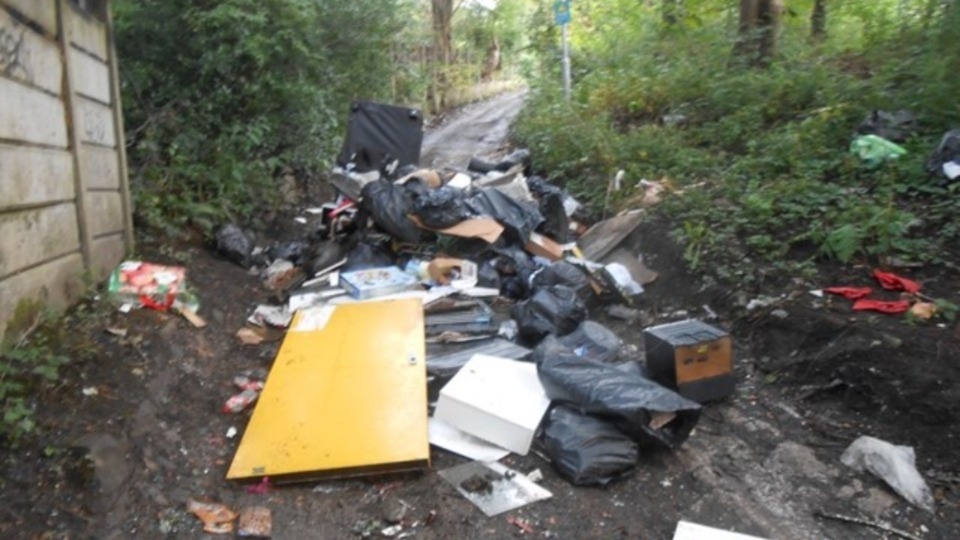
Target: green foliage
[761,155]
[30,361]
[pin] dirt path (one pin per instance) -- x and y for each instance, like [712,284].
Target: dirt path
[475,130]
[125,461]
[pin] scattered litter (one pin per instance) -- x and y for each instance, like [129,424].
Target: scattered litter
[216,518]
[450,438]
[893,282]
[850,293]
[496,399]
[276,316]
[255,522]
[260,488]
[891,308]
[874,151]
[147,285]
[587,451]
[881,525]
[691,531]
[761,302]
[896,465]
[236,244]
[693,357]
[895,126]
[522,524]
[251,336]
[494,488]
[377,282]
[90,391]
[301,220]
[240,402]
[924,310]
[231,432]
[116,331]
[535,475]
[624,313]
[392,531]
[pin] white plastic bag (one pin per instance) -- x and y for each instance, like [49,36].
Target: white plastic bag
[896,465]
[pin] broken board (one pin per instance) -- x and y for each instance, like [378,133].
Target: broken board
[346,399]
[603,237]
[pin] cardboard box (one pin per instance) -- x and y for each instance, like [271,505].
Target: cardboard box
[693,357]
[484,228]
[495,399]
[545,247]
[375,282]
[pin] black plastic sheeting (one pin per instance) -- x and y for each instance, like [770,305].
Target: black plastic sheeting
[518,219]
[569,275]
[619,392]
[236,244]
[377,133]
[894,126]
[365,256]
[389,205]
[586,450]
[555,310]
[295,251]
[442,207]
[593,341]
[550,198]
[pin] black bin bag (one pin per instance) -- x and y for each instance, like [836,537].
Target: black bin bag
[554,310]
[652,415]
[567,274]
[594,341]
[587,450]
[389,205]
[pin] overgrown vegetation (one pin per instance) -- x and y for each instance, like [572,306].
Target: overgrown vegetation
[760,149]
[221,97]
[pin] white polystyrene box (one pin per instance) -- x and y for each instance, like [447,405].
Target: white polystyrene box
[496,399]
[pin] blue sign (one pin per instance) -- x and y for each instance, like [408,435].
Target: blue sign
[561,11]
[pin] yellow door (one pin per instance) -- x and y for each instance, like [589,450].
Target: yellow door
[347,399]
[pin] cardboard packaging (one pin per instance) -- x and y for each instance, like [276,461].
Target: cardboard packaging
[692,357]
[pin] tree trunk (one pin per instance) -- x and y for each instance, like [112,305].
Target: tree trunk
[818,21]
[442,49]
[757,32]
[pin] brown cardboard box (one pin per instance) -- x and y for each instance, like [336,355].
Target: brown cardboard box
[693,357]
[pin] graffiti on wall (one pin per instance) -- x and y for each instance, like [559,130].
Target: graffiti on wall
[13,53]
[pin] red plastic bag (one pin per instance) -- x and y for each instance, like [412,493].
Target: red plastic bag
[850,293]
[891,308]
[893,282]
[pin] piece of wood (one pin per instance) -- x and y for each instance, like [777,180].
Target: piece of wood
[105,212]
[124,176]
[86,31]
[30,115]
[91,77]
[96,122]
[55,284]
[191,316]
[543,246]
[605,236]
[883,526]
[32,176]
[32,236]
[100,167]
[41,12]
[28,56]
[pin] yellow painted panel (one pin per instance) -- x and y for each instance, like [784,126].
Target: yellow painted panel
[350,398]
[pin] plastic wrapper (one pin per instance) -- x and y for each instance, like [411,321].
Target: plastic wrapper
[518,218]
[389,205]
[594,341]
[566,274]
[587,450]
[236,244]
[442,207]
[650,414]
[555,310]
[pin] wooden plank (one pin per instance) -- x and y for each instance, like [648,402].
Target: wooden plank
[29,115]
[99,167]
[87,32]
[90,77]
[104,212]
[96,122]
[29,57]
[106,254]
[56,284]
[34,176]
[42,12]
[119,128]
[28,237]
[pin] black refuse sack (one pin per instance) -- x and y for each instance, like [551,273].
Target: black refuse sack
[518,157]
[554,310]
[518,219]
[389,205]
[587,450]
[324,255]
[550,200]
[442,207]
[894,126]
[569,275]
[236,244]
[948,151]
[295,251]
[593,341]
[635,404]
[480,166]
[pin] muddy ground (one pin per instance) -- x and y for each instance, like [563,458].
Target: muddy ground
[812,376]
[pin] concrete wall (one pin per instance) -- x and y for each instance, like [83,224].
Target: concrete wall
[64,200]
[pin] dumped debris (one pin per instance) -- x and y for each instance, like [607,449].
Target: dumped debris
[494,488]
[255,522]
[216,518]
[587,450]
[895,465]
[692,357]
